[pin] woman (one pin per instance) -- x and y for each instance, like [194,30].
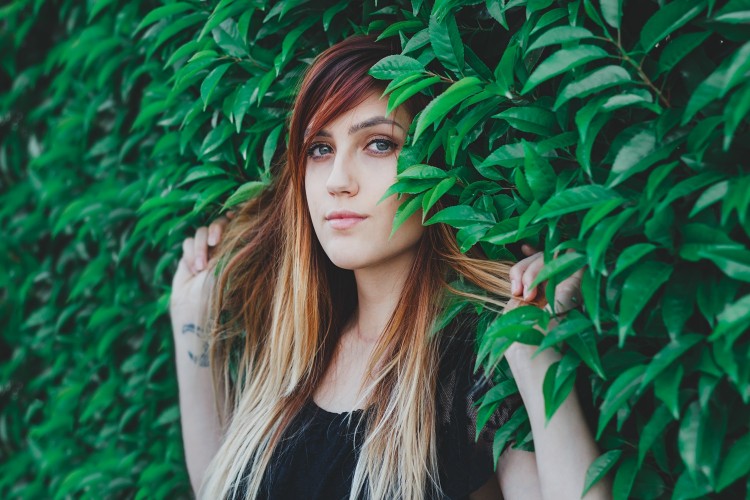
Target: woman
[327,380]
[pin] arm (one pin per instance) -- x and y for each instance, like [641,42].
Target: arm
[564,446]
[201,429]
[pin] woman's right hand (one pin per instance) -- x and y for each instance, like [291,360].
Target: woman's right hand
[189,290]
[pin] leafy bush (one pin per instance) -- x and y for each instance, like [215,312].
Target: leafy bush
[613,135]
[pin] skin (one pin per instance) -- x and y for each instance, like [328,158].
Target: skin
[349,167]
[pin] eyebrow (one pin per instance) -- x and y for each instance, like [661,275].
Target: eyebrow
[370,122]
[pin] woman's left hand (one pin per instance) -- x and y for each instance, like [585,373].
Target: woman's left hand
[523,274]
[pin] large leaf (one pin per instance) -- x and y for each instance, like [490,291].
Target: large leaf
[640,285]
[561,61]
[667,19]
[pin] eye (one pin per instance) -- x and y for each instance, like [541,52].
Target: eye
[319,150]
[382,146]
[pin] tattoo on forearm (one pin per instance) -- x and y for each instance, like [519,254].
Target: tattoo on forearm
[202,358]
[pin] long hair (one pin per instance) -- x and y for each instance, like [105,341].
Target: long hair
[279,306]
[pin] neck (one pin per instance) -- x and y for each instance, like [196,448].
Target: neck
[378,292]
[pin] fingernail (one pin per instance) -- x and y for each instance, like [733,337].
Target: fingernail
[514,287]
[199,264]
[526,293]
[212,239]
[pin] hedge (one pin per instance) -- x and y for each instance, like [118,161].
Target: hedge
[612,134]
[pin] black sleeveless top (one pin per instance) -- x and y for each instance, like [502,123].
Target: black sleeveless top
[317,455]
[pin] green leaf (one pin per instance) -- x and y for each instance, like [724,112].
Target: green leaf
[637,290]
[561,61]
[269,147]
[574,324]
[202,172]
[653,430]
[441,105]
[679,48]
[539,174]
[618,394]
[732,260]
[631,256]
[599,468]
[688,438]
[395,66]
[531,119]
[559,35]
[623,483]
[735,464]
[504,433]
[446,42]
[640,144]
[612,12]
[406,210]
[468,236]
[575,199]
[460,216]
[668,19]
[561,267]
[508,231]
[434,195]
[212,80]
[244,193]
[668,355]
[596,81]
[163,12]
[422,172]
[402,94]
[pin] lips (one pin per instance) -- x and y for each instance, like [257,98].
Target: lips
[344,219]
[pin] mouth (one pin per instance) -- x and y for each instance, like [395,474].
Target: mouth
[344,219]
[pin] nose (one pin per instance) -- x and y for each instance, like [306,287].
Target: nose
[342,179]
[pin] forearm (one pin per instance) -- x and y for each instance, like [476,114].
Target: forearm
[201,433]
[564,446]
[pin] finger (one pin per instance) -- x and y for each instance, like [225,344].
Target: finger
[201,248]
[215,230]
[188,254]
[528,249]
[529,275]
[518,270]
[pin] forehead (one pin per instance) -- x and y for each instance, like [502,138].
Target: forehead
[372,106]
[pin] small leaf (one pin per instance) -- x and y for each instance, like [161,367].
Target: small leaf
[596,81]
[394,66]
[212,80]
[637,290]
[618,394]
[434,195]
[561,267]
[735,464]
[441,105]
[612,12]
[668,355]
[561,61]
[539,174]
[406,210]
[667,19]
[446,42]
[599,468]
[653,429]
[460,216]
[575,199]
[559,35]
[245,192]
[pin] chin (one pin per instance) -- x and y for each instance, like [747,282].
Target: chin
[347,260]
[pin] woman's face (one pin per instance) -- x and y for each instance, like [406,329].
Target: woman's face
[350,165]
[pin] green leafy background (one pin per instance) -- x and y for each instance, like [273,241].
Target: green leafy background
[613,134]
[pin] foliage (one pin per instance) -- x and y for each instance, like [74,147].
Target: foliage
[610,133]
